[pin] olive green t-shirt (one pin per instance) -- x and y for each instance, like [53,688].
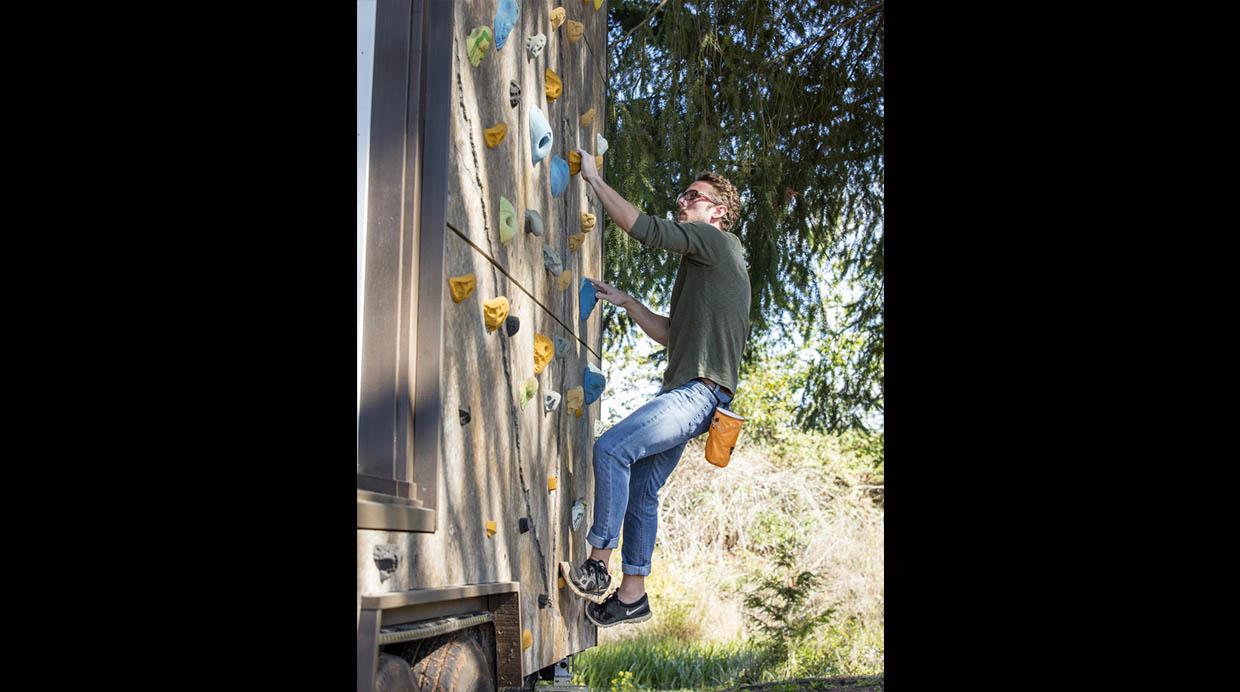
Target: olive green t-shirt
[710,301]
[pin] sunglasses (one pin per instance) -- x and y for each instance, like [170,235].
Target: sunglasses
[691,195]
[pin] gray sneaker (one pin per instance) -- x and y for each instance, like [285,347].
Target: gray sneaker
[613,611]
[589,580]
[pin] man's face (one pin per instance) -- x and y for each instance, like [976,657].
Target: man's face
[701,205]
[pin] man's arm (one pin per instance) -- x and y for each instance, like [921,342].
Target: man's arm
[657,327]
[618,208]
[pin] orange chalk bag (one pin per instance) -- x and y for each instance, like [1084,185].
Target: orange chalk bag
[725,429]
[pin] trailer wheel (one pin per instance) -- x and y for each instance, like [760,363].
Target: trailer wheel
[393,675]
[452,663]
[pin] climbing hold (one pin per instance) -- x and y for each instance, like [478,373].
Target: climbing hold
[529,389]
[575,397]
[575,240]
[574,163]
[533,222]
[559,175]
[464,413]
[553,87]
[461,286]
[587,222]
[594,382]
[514,93]
[588,299]
[494,311]
[495,135]
[597,4]
[600,144]
[574,31]
[551,401]
[527,639]
[506,14]
[507,221]
[543,600]
[564,279]
[512,324]
[523,524]
[587,118]
[560,583]
[491,528]
[551,259]
[561,346]
[552,483]
[479,42]
[540,135]
[598,162]
[544,351]
[535,44]
[579,512]
[557,17]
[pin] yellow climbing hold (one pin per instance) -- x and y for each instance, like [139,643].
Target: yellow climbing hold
[587,222]
[560,583]
[495,311]
[490,528]
[598,162]
[587,118]
[557,17]
[552,483]
[574,31]
[564,280]
[575,240]
[553,87]
[495,135]
[597,4]
[576,397]
[461,286]
[527,639]
[574,163]
[544,351]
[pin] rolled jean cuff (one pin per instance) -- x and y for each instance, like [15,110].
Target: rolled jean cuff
[633,569]
[601,544]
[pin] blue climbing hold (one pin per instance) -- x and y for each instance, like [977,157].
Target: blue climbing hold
[588,298]
[505,17]
[559,176]
[592,381]
[540,135]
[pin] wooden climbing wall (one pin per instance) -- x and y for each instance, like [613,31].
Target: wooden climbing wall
[497,466]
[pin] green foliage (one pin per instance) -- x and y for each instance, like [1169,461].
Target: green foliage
[785,99]
[644,662]
[779,607]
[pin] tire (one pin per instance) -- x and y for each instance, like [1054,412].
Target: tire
[393,675]
[450,663]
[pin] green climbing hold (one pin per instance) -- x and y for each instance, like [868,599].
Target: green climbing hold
[507,221]
[479,43]
[528,391]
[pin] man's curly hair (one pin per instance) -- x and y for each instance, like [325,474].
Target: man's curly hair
[727,196]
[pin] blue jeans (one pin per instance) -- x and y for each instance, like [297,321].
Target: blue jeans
[633,460]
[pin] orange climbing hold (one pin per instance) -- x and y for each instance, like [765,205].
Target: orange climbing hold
[553,86]
[553,483]
[495,135]
[564,280]
[461,286]
[560,583]
[544,351]
[598,162]
[576,397]
[495,311]
[557,17]
[575,240]
[574,163]
[527,639]
[574,31]
[587,118]
[587,222]
[491,529]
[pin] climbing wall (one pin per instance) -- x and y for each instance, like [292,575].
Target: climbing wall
[518,456]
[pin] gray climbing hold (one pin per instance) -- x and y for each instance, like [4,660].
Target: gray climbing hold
[512,324]
[579,512]
[514,94]
[523,524]
[551,401]
[387,559]
[551,259]
[562,346]
[535,44]
[543,601]
[533,222]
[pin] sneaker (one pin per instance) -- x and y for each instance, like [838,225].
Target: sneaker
[613,611]
[589,580]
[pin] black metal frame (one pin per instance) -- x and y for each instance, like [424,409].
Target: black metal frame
[399,415]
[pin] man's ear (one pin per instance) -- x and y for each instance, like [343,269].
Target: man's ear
[722,216]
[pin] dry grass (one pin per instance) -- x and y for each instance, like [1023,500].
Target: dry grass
[719,526]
